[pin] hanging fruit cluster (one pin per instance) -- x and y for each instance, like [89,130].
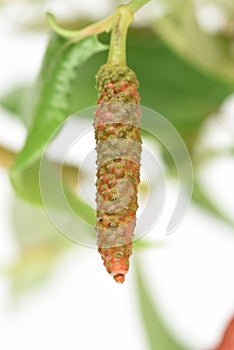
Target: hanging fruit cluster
[118,140]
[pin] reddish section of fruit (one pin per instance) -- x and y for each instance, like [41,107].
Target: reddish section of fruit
[228,339]
[118,140]
[117,84]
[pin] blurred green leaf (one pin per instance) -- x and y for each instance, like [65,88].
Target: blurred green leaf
[201,198]
[181,31]
[83,210]
[40,245]
[49,110]
[159,337]
[168,84]
[27,186]
[24,216]
[51,105]
[227,5]
[16,100]
[209,154]
[141,244]
[31,269]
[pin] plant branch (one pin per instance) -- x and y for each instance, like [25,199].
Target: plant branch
[96,28]
[104,25]
[117,52]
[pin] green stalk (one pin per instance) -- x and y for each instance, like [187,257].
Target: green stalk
[104,25]
[96,28]
[122,20]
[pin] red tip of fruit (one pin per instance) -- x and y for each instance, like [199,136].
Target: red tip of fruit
[119,278]
[228,339]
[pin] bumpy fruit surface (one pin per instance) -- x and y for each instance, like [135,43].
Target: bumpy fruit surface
[118,145]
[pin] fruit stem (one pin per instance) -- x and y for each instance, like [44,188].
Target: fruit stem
[104,25]
[96,28]
[123,19]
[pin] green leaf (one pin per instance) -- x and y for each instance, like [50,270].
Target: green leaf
[159,337]
[226,5]
[26,184]
[181,31]
[141,244]
[25,221]
[168,84]
[171,86]
[51,105]
[201,198]
[31,269]
[40,245]
[50,108]
[15,100]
